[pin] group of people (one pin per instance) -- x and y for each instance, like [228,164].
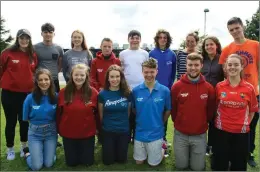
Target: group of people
[130,98]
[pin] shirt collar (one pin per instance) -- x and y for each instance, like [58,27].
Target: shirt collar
[156,86]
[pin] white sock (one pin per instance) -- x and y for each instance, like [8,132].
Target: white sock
[10,149]
[23,144]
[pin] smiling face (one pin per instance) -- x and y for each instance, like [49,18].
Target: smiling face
[24,41]
[77,39]
[134,42]
[233,66]
[114,78]
[193,68]
[149,74]
[162,40]
[79,77]
[47,36]
[210,47]
[191,42]
[44,82]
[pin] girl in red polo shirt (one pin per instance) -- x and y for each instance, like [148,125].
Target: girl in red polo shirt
[237,103]
[17,66]
[77,104]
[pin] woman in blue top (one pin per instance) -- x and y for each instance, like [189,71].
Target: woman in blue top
[40,110]
[114,109]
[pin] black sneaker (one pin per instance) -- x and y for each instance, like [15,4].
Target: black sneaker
[25,151]
[59,144]
[251,161]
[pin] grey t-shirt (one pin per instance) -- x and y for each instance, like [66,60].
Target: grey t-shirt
[71,58]
[48,57]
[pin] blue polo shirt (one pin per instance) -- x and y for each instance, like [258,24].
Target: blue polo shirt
[39,114]
[150,108]
[115,111]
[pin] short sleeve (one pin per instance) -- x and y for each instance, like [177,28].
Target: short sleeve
[168,106]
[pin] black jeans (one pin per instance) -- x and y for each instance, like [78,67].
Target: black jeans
[57,85]
[231,147]
[13,108]
[165,130]
[252,132]
[79,151]
[114,147]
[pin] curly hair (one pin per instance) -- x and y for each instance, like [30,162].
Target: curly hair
[123,86]
[169,38]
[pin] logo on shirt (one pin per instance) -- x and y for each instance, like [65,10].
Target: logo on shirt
[169,62]
[100,70]
[157,100]
[184,94]
[139,99]
[203,96]
[223,94]
[242,95]
[54,106]
[15,61]
[114,103]
[36,107]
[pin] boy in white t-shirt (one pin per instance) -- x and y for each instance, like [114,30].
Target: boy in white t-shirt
[131,62]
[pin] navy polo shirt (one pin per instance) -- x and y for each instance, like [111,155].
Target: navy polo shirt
[150,108]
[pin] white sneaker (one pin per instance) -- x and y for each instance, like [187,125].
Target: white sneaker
[10,155]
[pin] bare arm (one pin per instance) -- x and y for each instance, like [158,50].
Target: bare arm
[166,115]
[100,111]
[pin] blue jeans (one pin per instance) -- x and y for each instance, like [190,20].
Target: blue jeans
[42,141]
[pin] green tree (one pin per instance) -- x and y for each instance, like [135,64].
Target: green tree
[252,27]
[4,42]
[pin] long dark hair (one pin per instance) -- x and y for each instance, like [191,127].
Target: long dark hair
[169,38]
[37,93]
[216,41]
[30,50]
[70,88]
[123,86]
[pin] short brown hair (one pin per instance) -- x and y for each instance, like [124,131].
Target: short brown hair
[194,56]
[150,63]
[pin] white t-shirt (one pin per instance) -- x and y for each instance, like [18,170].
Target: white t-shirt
[131,61]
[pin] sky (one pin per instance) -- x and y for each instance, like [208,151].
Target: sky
[114,19]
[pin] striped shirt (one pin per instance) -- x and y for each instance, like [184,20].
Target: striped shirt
[181,63]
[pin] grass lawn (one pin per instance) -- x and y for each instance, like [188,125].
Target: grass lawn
[168,163]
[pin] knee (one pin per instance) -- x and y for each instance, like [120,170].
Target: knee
[139,162]
[49,163]
[36,167]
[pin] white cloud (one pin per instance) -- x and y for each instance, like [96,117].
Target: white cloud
[114,19]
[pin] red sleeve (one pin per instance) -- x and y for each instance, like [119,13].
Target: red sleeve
[3,62]
[211,108]
[118,62]
[93,76]
[223,56]
[253,104]
[174,95]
